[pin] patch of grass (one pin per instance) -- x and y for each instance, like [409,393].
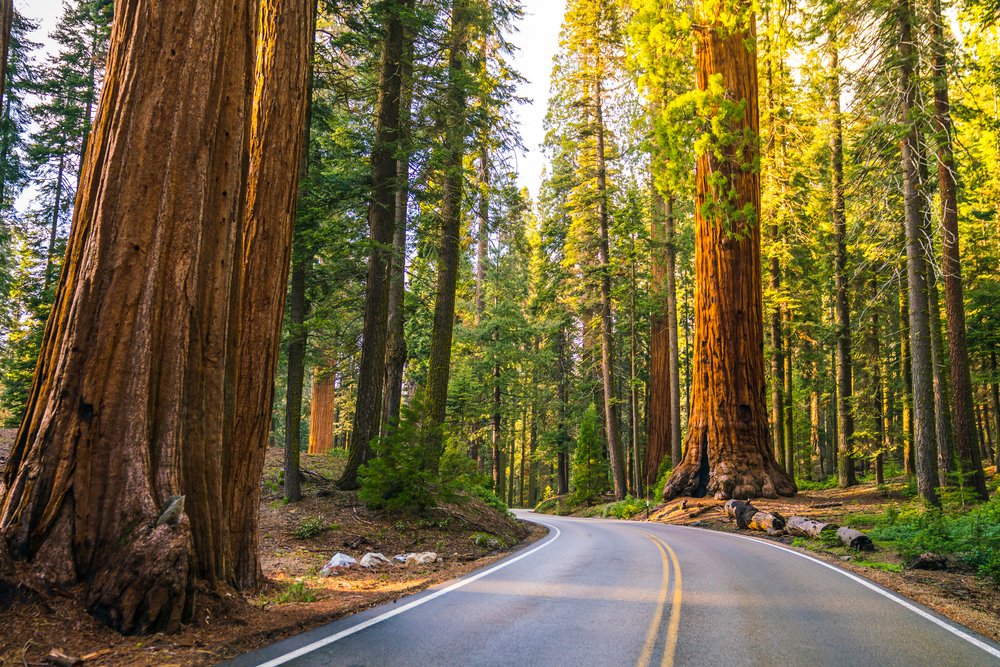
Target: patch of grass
[885,567]
[860,520]
[297,592]
[312,526]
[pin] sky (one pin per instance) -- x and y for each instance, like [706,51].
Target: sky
[538,41]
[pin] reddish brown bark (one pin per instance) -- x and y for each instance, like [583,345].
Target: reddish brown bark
[6,19]
[323,408]
[727,438]
[139,376]
[658,443]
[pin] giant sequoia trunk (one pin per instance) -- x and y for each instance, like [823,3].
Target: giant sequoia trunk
[727,451]
[382,223]
[323,407]
[142,390]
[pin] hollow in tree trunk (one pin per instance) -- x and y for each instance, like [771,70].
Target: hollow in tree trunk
[728,454]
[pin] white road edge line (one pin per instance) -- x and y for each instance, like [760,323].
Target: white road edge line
[326,641]
[878,589]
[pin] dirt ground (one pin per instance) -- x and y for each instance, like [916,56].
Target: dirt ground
[296,597]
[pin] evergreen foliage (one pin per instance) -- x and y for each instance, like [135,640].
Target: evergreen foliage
[590,469]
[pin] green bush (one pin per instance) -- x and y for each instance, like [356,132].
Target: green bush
[590,471]
[312,526]
[625,509]
[401,476]
[820,485]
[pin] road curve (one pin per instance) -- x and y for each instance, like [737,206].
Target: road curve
[603,592]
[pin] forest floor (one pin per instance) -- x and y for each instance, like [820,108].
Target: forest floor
[295,541]
[957,592]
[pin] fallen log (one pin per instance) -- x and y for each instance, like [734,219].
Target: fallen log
[803,527]
[855,539]
[57,657]
[749,517]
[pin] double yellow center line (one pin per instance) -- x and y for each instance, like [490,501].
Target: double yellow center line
[675,607]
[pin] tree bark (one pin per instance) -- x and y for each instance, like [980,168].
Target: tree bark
[676,452]
[562,396]
[727,433]
[281,74]
[439,365]
[323,407]
[845,407]
[396,352]
[137,386]
[961,382]
[616,456]
[923,390]
[942,411]
[909,456]
[6,21]
[658,442]
[381,226]
[789,407]
[995,393]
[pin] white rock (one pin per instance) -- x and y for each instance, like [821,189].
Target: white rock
[416,559]
[371,559]
[338,560]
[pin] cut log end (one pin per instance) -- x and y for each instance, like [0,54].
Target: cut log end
[855,539]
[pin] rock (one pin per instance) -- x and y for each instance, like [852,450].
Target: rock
[416,559]
[487,541]
[929,561]
[372,559]
[170,512]
[847,558]
[338,560]
[698,524]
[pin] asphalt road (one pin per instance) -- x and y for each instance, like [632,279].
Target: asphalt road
[601,592]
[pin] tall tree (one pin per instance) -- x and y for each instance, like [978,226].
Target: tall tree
[382,223]
[138,423]
[961,382]
[920,351]
[727,450]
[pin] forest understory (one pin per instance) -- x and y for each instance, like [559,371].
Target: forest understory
[296,541]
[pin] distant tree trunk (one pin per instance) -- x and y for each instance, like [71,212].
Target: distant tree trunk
[482,230]
[909,456]
[396,352]
[6,20]
[323,407]
[562,395]
[789,407]
[814,440]
[961,382]
[533,464]
[634,395]
[995,392]
[439,365]
[615,453]
[777,360]
[942,411]
[498,467]
[137,392]
[845,409]
[381,225]
[54,224]
[658,442]
[728,453]
[676,452]
[923,390]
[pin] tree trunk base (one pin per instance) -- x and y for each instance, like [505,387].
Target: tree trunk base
[742,476]
[149,585]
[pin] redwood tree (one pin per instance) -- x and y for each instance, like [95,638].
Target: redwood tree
[727,453]
[142,390]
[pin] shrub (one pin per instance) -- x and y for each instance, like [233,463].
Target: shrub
[625,509]
[312,526]
[590,472]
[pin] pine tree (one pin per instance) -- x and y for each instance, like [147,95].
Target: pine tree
[590,470]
